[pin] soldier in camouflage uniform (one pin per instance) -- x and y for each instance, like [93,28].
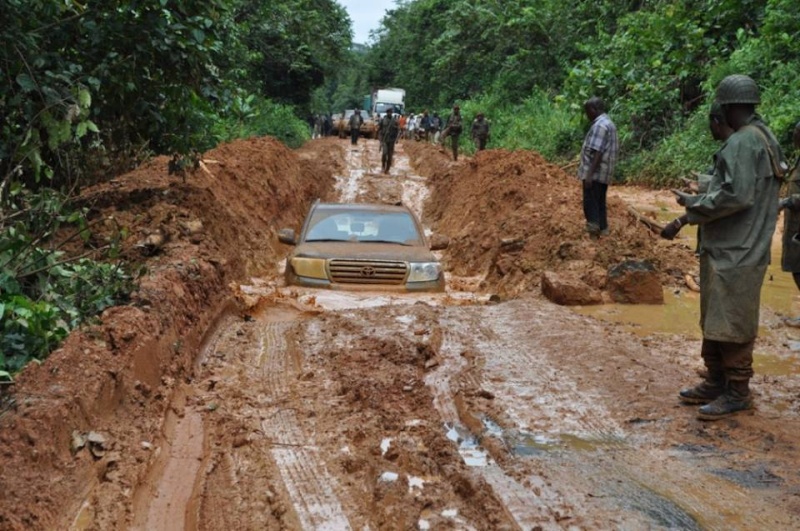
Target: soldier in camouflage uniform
[453,129]
[388,131]
[355,126]
[480,131]
[737,213]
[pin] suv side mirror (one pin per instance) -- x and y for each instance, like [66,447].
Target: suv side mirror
[287,236]
[439,242]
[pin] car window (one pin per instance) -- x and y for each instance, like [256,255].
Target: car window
[363,226]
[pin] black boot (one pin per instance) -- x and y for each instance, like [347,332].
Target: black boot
[708,390]
[736,398]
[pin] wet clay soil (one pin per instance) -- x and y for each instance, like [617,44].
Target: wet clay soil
[301,409]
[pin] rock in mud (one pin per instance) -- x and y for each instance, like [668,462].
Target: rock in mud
[635,282]
[568,289]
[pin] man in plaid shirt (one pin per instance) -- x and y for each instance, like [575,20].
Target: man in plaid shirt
[598,158]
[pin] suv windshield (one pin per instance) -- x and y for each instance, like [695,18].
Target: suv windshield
[363,226]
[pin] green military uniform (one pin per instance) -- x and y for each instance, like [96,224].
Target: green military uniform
[453,129]
[738,215]
[790,259]
[480,132]
[388,131]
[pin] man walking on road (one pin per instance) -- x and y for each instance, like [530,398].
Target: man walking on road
[737,213]
[453,129]
[388,131]
[790,257]
[598,158]
[480,131]
[355,126]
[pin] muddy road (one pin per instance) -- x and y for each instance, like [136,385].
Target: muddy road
[309,409]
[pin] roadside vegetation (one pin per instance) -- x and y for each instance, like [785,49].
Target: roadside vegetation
[529,65]
[91,89]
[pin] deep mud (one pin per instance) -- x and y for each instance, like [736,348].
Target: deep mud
[518,215]
[301,409]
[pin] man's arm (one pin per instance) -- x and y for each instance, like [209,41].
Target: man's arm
[737,168]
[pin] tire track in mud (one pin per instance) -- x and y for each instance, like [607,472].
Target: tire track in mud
[523,506]
[311,488]
[628,472]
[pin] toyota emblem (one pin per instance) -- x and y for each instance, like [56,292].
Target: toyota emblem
[368,272]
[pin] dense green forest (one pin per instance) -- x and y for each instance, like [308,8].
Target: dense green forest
[530,64]
[90,89]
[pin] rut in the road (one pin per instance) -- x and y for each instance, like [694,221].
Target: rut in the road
[311,489]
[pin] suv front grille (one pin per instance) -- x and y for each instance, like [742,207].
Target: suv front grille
[367,272]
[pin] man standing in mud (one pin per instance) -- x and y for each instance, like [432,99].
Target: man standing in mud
[355,126]
[453,129]
[737,213]
[388,131]
[790,256]
[480,131]
[598,158]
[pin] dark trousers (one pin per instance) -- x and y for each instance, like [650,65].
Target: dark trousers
[354,136]
[387,154]
[481,142]
[727,361]
[594,205]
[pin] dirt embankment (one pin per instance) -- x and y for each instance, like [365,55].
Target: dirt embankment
[117,377]
[518,215]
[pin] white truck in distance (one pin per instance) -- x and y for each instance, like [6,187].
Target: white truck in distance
[383,99]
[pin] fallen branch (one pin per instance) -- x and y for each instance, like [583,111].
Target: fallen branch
[652,224]
[570,165]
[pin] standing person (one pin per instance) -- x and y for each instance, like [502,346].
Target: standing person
[737,213]
[598,158]
[425,124]
[411,124]
[790,256]
[402,119]
[388,131]
[453,129]
[436,126]
[480,131]
[317,126]
[341,125]
[355,126]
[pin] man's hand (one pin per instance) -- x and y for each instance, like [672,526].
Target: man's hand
[587,184]
[672,229]
[681,197]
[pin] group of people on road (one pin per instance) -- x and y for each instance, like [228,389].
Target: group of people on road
[735,207]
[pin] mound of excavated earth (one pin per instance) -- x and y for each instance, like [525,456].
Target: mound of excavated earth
[114,379]
[516,218]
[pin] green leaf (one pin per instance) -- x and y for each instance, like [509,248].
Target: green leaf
[25,81]
[199,35]
[84,98]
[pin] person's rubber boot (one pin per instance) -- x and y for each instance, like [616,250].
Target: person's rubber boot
[708,390]
[735,399]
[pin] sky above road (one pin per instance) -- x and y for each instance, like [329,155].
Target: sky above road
[366,15]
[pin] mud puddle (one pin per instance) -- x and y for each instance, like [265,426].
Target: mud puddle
[680,313]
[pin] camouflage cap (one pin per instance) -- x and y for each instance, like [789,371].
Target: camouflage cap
[738,88]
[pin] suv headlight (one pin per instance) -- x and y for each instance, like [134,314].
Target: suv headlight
[309,267]
[424,271]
